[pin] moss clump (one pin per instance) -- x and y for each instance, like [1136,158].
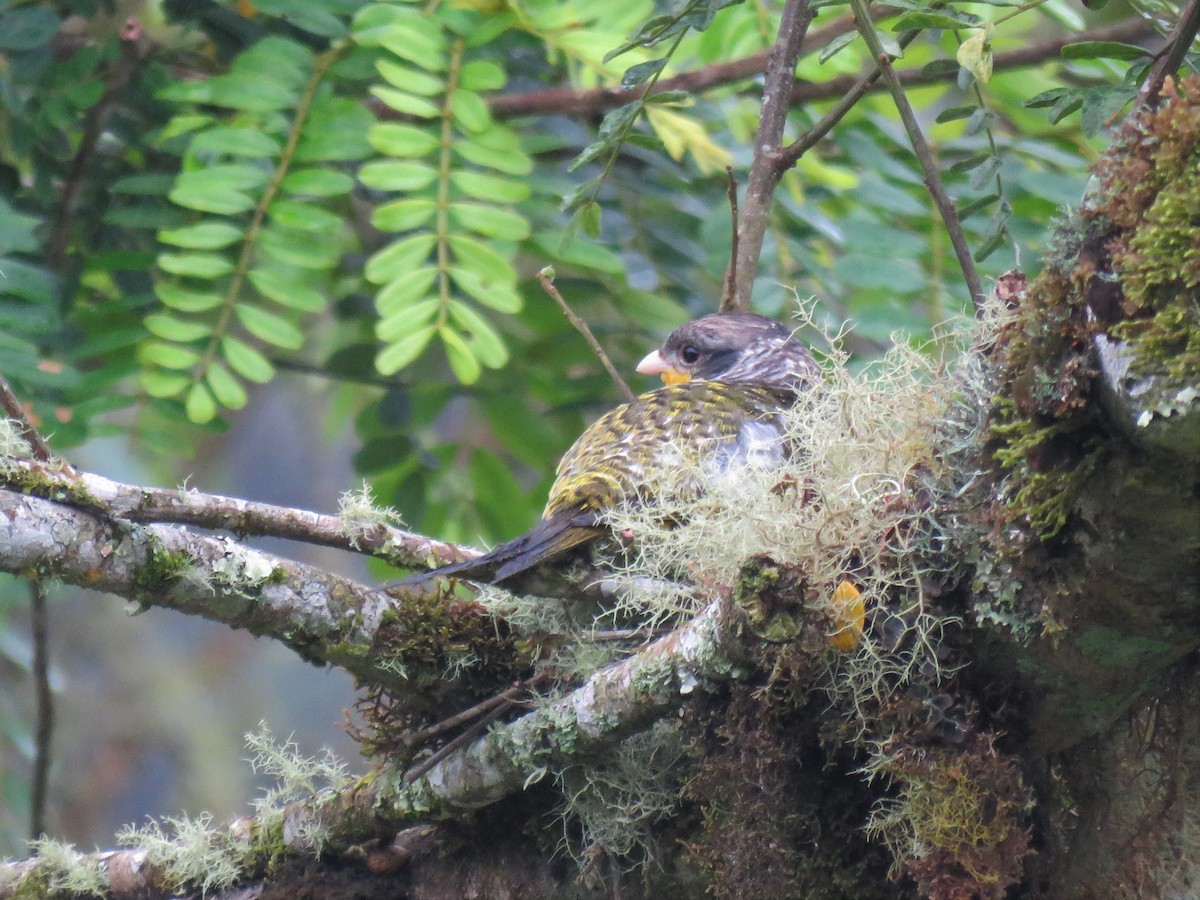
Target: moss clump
[1153,198]
[451,654]
[957,824]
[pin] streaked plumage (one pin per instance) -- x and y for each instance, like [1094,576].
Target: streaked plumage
[729,376]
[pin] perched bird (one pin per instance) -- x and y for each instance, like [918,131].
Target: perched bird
[727,376]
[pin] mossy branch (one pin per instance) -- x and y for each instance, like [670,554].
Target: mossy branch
[323,617]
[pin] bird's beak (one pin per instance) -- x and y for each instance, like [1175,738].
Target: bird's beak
[654,364]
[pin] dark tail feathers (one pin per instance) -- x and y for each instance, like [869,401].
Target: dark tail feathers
[547,539]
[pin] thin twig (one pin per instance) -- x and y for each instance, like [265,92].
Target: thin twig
[417,738]
[920,146]
[15,411]
[44,729]
[1170,57]
[791,154]
[727,295]
[764,177]
[39,635]
[572,102]
[461,741]
[545,277]
[133,51]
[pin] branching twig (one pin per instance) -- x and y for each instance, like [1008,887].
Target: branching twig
[764,176]
[933,180]
[570,101]
[544,278]
[1170,57]
[727,293]
[791,154]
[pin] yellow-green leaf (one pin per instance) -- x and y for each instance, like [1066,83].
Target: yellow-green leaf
[462,361]
[395,357]
[200,405]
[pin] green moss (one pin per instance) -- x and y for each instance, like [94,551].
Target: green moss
[1153,195]
[161,567]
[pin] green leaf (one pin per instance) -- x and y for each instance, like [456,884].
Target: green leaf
[419,41]
[305,216]
[496,148]
[462,361]
[1104,50]
[246,361]
[395,357]
[977,205]
[414,81]
[955,113]
[227,140]
[470,111]
[402,140]
[483,339]
[227,389]
[916,20]
[302,249]
[481,75]
[642,72]
[224,201]
[269,327]
[398,257]
[161,384]
[388,175]
[176,330]
[490,221]
[667,98]
[407,320]
[481,259]
[403,215]
[202,236]
[588,217]
[317,183]
[991,245]
[196,265]
[200,405]
[286,290]
[491,188]
[839,43]
[176,297]
[408,104]
[406,288]
[499,296]
[336,130]
[169,356]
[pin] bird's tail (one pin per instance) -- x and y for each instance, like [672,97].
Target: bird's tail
[549,538]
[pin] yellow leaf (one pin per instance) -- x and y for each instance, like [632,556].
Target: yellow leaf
[682,134]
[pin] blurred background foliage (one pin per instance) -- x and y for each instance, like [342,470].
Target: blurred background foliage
[206,207]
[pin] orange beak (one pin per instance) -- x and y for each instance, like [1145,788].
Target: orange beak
[654,364]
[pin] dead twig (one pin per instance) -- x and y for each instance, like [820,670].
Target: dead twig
[545,278]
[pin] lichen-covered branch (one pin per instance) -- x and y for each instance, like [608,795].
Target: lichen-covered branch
[323,617]
[62,483]
[609,706]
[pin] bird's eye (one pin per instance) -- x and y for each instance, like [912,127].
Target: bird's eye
[689,354]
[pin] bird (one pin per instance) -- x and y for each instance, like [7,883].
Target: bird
[727,379]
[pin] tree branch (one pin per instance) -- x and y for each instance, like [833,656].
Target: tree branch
[615,702]
[574,102]
[242,517]
[325,618]
[764,175]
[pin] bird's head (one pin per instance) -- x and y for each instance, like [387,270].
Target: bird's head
[732,347]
